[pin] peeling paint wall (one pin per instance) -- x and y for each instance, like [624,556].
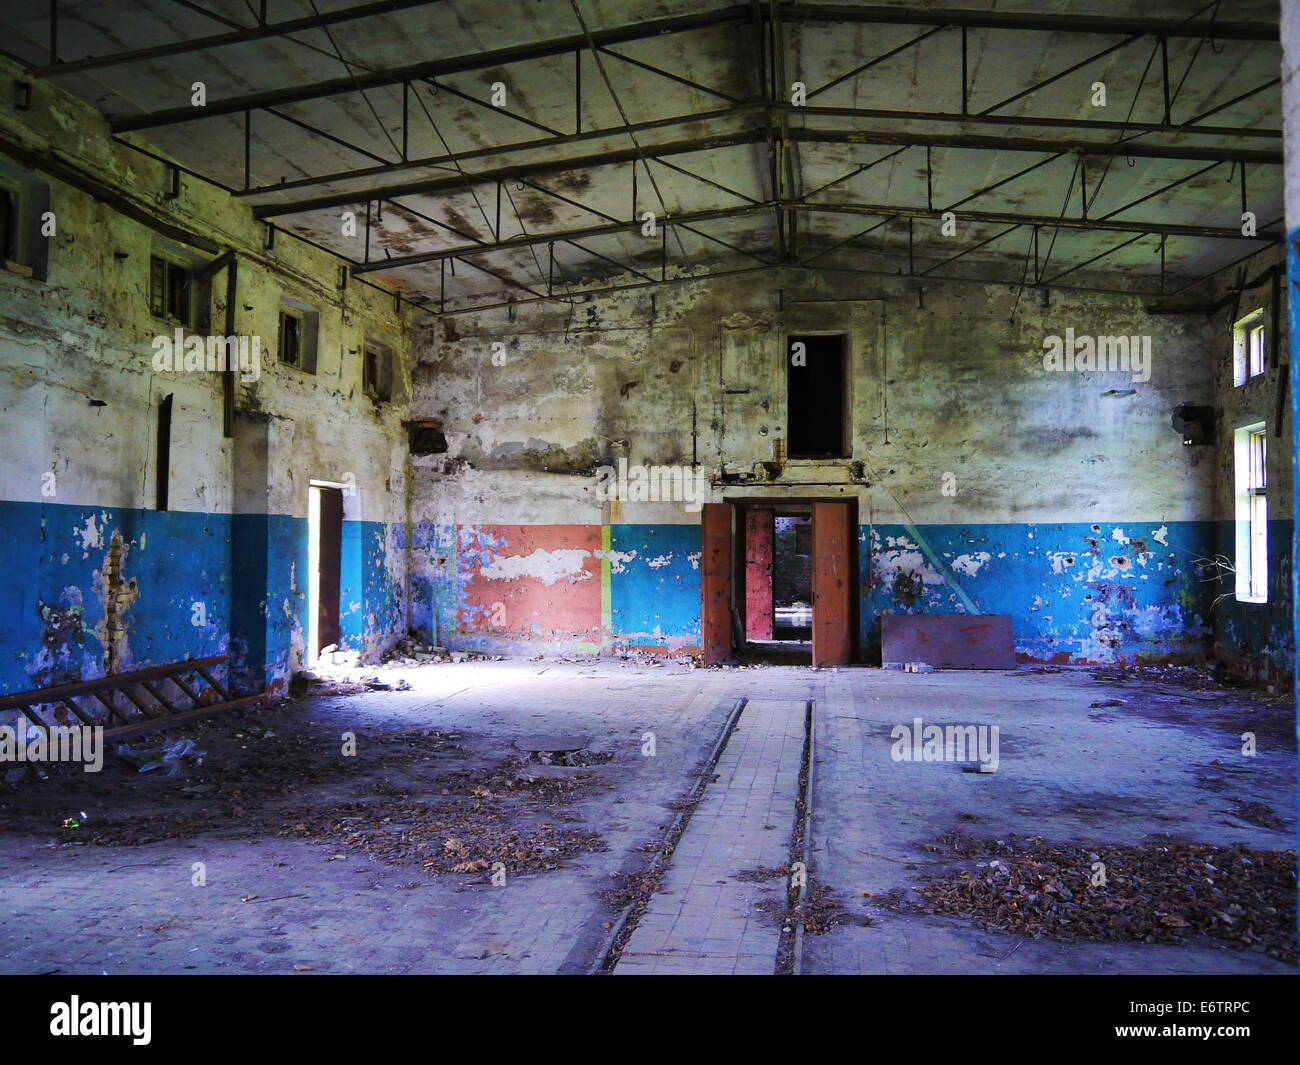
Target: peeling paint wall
[1065,499]
[1254,638]
[98,580]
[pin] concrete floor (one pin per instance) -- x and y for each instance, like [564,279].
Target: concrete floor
[285,893]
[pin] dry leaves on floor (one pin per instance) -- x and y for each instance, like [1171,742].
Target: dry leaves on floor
[1161,891]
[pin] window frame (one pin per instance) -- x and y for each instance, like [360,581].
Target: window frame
[299,361]
[1256,349]
[163,270]
[845,415]
[1250,459]
[27,251]
[380,388]
[1244,329]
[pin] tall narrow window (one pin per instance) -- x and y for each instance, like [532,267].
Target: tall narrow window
[299,332]
[1251,460]
[377,371]
[1255,348]
[24,201]
[816,412]
[169,290]
[1249,351]
[290,339]
[162,477]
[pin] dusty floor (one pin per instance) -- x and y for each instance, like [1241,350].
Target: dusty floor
[278,852]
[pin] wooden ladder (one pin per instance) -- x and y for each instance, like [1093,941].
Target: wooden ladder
[126,704]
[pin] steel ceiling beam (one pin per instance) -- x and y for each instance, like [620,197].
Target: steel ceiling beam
[526,240]
[451,184]
[1123,128]
[1049,221]
[1024,20]
[1132,149]
[430,69]
[877,210]
[1136,150]
[566,297]
[507,173]
[220,40]
[537,143]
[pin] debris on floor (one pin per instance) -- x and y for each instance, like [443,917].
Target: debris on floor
[560,750]
[454,836]
[1196,696]
[762,874]
[820,910]
[1161,891]
[168,755]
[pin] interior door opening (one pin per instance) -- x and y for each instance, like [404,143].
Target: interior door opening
[792,578]
[777,579]
[790,588]
[325,551]
[743,574]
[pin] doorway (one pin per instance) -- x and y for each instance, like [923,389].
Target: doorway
[778,580]
[325,556]
[792,594]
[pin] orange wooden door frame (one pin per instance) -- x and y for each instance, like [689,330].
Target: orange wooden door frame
[715,582]
[832,581]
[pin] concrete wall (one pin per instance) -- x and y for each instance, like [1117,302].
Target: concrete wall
[1255,638]
[96,578]
[982,480]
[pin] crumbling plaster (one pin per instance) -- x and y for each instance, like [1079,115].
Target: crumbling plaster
[79,394]
[948,386]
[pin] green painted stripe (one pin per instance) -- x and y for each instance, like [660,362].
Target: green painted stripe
[606,589]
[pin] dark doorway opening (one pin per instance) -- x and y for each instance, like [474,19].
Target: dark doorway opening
[329,557]
[815,394]
[163,472]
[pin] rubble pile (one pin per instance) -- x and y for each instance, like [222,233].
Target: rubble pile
[1161,891]
[449,837]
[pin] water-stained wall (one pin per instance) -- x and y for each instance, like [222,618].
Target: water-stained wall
[1254,638]
[984,477]
[97,577]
